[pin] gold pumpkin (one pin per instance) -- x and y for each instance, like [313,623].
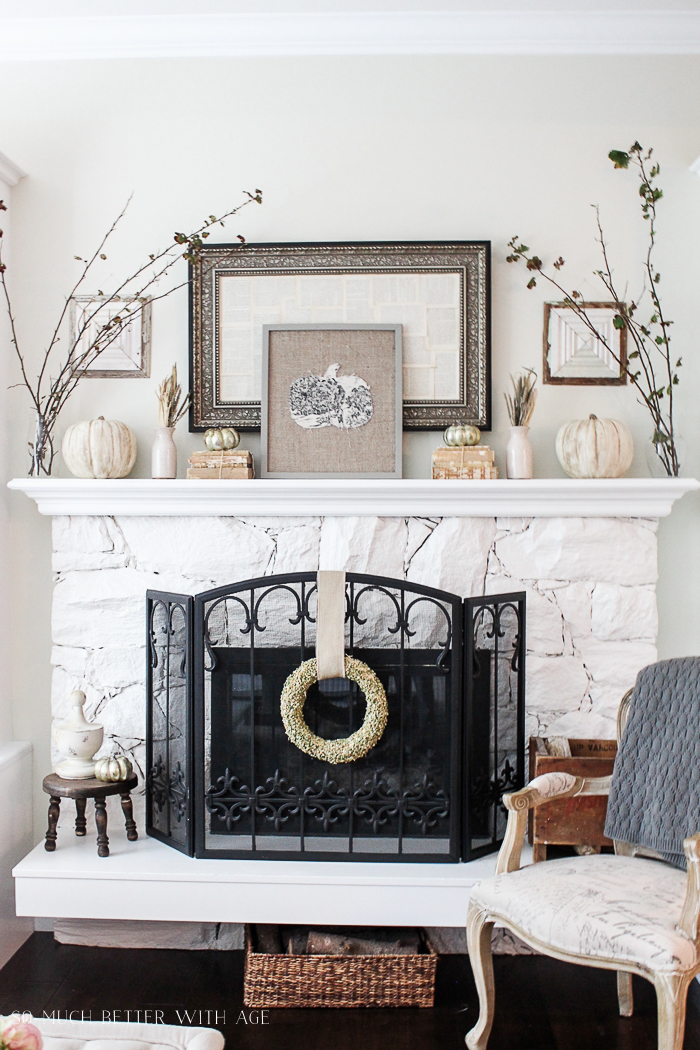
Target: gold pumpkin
[461,434]
[114,768]
[595,448]
[224,438]
[99,448]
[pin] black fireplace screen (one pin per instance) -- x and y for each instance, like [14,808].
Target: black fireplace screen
[224,779]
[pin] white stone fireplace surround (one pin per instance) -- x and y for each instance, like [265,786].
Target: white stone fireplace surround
[584,552]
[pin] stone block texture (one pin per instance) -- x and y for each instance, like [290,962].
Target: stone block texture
[590,585]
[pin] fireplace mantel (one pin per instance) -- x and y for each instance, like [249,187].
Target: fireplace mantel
[542,497]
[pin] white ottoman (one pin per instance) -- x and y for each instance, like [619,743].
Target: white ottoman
[113,1035]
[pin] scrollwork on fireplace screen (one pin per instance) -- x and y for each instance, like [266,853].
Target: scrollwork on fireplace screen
[225,780]
[169,717]
[495,715]
[259,795]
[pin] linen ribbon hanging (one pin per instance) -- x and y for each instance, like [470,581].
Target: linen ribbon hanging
[331,662]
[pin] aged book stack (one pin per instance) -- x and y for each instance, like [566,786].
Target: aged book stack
[470,462]
[224,465]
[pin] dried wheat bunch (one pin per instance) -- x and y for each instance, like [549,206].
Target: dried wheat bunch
[169,395]
[521,403]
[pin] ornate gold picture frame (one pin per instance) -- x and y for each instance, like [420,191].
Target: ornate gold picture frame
[438,291]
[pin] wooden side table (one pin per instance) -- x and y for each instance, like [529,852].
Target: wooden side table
[81,790]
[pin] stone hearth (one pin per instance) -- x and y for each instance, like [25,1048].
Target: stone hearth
[584,552]
[590,584]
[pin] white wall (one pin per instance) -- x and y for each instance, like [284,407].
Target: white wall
[16,825]
[351,149]
[5,475]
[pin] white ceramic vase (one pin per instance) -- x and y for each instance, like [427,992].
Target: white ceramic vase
[164,454]
[519,454]
[78,741]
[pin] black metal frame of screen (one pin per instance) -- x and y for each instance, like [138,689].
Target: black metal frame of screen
[224,781]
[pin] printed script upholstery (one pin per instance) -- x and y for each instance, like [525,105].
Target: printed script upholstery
[655,791]
[604,907]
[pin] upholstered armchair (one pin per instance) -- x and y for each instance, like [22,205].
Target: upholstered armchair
[625,912]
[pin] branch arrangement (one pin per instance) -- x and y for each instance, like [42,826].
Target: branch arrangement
[649,366]
[48,393]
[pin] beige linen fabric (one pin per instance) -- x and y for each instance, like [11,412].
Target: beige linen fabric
[330,625]
[367,449]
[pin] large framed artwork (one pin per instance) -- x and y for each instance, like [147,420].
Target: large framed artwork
[331,401]
[438,291]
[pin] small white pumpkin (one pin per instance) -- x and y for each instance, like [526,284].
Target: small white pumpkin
[217,439]
[114,768]
[595,448]
[99,448]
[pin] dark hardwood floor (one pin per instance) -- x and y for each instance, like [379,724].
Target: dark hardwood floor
[540,1004]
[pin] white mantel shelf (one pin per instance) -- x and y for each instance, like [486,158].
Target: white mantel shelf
[545,497]
[148,880]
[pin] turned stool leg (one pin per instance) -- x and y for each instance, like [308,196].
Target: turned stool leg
[101,824]
[80,821]
[127,806]
[54,813]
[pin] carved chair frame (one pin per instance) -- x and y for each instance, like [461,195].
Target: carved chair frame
[671,986]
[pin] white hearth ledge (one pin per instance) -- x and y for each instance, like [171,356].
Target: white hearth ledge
[148,880]
[542,497]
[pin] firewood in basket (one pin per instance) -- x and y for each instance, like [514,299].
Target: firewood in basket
[269,939]
[295,942]
[380,943]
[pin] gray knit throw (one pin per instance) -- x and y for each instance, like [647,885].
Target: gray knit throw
[655,792]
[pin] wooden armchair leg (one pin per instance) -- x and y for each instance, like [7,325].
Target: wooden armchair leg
[625,996]
[479,944]
[671,995]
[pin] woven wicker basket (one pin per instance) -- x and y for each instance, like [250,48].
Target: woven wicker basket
[337,980]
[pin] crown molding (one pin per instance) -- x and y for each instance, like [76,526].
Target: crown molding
[351,33]
[10,174]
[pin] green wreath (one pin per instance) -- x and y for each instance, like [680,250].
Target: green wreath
[334,751]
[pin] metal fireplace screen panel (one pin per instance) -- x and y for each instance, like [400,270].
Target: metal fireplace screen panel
[494,723]
[169,728]
[257,794]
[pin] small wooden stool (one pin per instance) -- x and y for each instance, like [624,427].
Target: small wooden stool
[81,790]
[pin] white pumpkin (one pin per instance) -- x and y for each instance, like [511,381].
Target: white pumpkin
[99,448]
[114,768]
[595,448]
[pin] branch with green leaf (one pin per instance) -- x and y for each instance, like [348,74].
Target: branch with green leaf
[649,365]
[62,369]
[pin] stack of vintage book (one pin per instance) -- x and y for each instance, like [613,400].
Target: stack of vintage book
[225,465]
[470,462]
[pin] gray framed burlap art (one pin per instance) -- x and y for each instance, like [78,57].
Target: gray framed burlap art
[438,291]
[331,401]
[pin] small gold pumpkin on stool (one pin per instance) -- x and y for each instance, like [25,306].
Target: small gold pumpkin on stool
[114,768]
[461,434]
[223,439]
